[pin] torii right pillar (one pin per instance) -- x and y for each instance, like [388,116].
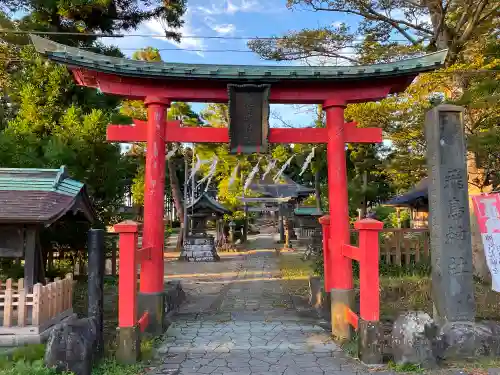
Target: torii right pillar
[338,281]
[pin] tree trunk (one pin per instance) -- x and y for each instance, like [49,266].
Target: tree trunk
[317,189]
[364,203]
[177,197]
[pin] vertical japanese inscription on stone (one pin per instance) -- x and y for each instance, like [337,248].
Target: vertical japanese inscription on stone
[449,211]
[248,118]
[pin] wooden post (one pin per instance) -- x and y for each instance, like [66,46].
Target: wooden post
[370,330]
[8,307]
[325,223]
[37,294]
[21,304]
[342,293]
[96,285]
[113,258]
[129,338]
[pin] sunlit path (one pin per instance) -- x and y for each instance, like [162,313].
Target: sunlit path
[238,320]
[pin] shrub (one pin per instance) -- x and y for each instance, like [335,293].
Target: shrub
[27,368]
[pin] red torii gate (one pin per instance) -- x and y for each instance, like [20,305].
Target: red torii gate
[159,84]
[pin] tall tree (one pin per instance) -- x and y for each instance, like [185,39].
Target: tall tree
[382,25]
[175,164]
[92,16]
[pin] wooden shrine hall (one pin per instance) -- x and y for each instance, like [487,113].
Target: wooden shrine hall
[249,91]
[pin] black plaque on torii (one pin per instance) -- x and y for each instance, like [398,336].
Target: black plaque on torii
[248,118]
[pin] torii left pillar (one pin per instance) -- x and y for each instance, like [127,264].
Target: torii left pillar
[151,296]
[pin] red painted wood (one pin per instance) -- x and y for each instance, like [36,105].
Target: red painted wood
[127,282]
[143,321]
[325,223]
[351,318]
[369,281]
[144,254]
[174,132]
[198,135]
[362,135]
[341,267]
[215,91]
[298,135]
[152,270]
[133,133]
[351,252]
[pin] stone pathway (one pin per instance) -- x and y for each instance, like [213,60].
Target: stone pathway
[237,320]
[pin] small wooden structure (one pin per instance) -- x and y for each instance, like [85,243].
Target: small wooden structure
[307,229]
[417,201]
[28,315]
[31,199]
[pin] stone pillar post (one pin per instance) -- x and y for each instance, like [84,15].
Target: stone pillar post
[232,226]
[96,256]
[281,223]
[452,282]
[341,267]
[151,297]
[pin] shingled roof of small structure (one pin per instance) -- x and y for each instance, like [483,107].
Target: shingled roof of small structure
[205,201]
[41,196]
[288,188]
[413,197]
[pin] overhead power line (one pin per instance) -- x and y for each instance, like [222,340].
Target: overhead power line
[166,35]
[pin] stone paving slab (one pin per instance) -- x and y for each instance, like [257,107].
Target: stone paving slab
[242,322]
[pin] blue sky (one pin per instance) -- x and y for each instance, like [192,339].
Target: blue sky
[232,18]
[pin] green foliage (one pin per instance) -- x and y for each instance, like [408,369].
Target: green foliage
[92,16]
[310,200]
[407,367]
[111,367]
[26,368]
[25,360]
[451,27]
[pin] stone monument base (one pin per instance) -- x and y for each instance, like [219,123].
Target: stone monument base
[199,248]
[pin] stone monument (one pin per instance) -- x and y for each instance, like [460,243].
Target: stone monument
[199,246]
[452,281]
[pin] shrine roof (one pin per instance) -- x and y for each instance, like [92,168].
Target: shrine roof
[308,211]
[287,188]
[205,201]
[413,197]
[41,196]
[76,57]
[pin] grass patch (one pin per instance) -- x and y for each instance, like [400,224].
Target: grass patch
[403,293]
[407,367]
[351,346]
[474,366]
[296,272]
[293,267]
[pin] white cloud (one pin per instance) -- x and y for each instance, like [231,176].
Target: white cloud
[156,26]
[224,29]
[231,7]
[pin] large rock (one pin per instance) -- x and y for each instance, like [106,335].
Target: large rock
[470,339]
[174,296]
[71,346]
[415,339]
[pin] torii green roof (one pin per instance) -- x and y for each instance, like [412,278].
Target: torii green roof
[76,57]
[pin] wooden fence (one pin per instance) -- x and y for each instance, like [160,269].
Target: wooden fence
[400,246]
[32,312]
[397,246]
